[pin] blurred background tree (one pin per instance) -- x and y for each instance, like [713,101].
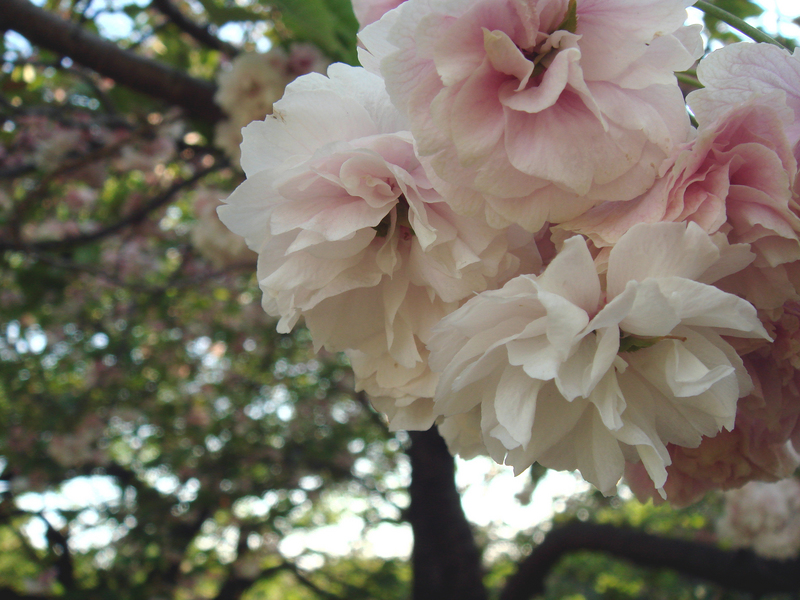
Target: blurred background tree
[159,439]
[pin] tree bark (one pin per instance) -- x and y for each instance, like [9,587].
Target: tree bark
[141,74]
[740,570]
[446,561]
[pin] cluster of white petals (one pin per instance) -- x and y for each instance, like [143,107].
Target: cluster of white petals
[575,374]
[540,108]
[350,233]
[764,517]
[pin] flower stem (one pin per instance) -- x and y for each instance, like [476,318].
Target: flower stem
[688,80]
[739,24]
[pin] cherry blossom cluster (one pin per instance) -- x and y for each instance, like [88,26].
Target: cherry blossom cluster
[764,517]
[508,222]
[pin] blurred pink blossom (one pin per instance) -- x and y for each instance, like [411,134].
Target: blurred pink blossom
[764,517]
[211,238]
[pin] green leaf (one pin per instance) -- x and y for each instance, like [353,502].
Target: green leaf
[330,24]
[630,343]
[570,22]
[220,15]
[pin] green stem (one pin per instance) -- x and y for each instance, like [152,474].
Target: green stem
[688,80]
[739,24]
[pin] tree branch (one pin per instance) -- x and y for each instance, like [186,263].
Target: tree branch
[59,545]
[8,593]
[446,561]
[307,583]
[198,32]
[137,72]
[134,218]
[741,570]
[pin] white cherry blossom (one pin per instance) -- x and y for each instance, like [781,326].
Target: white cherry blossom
[576,373]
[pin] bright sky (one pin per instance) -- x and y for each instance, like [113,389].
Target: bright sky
[779,15]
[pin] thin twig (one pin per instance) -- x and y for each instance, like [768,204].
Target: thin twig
[134,218]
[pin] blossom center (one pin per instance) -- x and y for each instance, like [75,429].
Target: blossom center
[540,58]
[632,343]
[402,223]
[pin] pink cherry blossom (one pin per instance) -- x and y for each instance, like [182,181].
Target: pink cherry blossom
[736,177]
[351,235]
[539,107]
[369,11]
[462,434]
[738,73]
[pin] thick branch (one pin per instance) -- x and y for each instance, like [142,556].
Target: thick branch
[137,72]
[446,562]
[198,32]
[59,545]
[741,570]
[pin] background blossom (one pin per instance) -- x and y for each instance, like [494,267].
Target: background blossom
[211,238]
[764,517]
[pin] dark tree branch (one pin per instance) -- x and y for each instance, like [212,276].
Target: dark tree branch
[445,560]
[142,74]
[7,593]
[740,570]
[59,546]
[198,32]
[235,586]
[17,171]
[176,282]
[307,583]
[134,218]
